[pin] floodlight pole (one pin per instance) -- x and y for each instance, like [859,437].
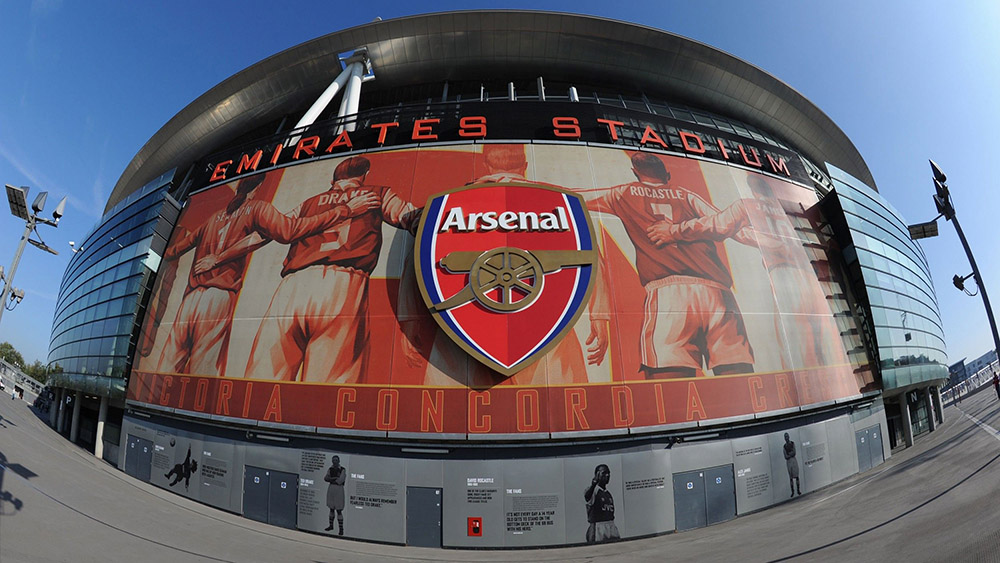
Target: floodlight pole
[9,280]
[979,282]
[942,200]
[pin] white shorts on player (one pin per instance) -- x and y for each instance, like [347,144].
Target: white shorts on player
[198,343]
[311,335]
[691,322]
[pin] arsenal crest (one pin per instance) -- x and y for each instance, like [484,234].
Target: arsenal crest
[506,269]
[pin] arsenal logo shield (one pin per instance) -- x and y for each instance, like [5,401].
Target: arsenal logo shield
[506,269]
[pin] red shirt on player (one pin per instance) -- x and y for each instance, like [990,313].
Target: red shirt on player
[640,205]
[356,242]
[223,229]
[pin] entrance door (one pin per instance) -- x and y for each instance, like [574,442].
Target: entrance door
[720,492]
[690,510]
[282,499]
[875,433]
[256,489]
[423,517]
[138,457]
[862,439]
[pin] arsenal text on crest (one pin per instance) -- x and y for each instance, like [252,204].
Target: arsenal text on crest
[506,269]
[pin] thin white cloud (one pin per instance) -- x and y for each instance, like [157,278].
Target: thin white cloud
[41,183]
[42,295]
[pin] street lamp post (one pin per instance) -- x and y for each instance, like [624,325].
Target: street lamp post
[942,200]
[17,197]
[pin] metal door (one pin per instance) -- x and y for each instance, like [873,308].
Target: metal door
[875,435]
[423,517]
[131,456]
[282,499]
[255,493]
[690,511]
[720,494]
[861,438]
[139,458]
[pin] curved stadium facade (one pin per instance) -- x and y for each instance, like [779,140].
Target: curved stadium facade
[507,268]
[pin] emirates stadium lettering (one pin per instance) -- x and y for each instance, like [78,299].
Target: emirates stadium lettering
[588,126]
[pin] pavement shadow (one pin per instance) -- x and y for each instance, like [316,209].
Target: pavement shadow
[6,422]
[6,497]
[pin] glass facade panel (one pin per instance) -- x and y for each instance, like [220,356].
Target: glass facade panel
[904,309]
[101,291]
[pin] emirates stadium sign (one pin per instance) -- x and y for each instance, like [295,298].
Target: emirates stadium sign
[506,268]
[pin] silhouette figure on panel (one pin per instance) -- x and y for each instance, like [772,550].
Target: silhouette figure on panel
[793,466]
[336,476]
[183,471]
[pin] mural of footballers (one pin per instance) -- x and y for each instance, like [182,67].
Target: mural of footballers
[692,319]
[566,363]
[198,342]
[182,471]
[315,328]
[600,508]
[813,337]
[336,476]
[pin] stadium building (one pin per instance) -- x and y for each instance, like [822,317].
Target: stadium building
[497,279]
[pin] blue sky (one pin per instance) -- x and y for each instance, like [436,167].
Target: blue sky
[83,85]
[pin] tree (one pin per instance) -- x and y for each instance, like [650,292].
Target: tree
[10,354]
[37,371]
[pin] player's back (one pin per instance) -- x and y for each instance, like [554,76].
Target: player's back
[639,206]
[352,243]
[220,232]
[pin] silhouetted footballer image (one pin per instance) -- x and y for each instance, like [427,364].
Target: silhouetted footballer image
[183,471]
[336,476]
[600,508]
[793,465]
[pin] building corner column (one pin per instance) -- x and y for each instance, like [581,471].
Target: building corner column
[931,413]
[61,420]
[938,408]
[904,411]
[74,426]
[102,417]
[53,408]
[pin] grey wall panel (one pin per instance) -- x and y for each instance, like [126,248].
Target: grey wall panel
[376,499]
[649,497]
[215,476]
[699,456]
[534,504]
[424,473]
[236,489]
[843,453]
[578,476]
[752,468]
[473,489]
[272,457]
[815,451]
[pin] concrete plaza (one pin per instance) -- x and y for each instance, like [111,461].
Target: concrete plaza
[931,502]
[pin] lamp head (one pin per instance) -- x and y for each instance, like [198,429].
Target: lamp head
[938,174]
[60,209]
[39,203]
